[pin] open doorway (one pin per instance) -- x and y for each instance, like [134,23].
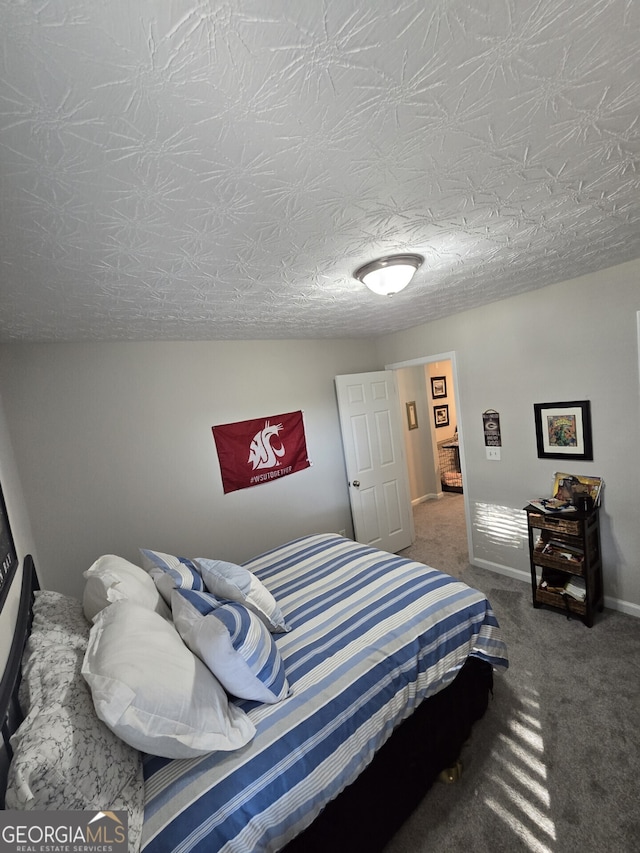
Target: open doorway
[428,391]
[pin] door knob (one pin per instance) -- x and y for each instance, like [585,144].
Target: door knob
[356,483]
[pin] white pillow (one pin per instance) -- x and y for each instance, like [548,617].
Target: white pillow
[235,583]
[234,643]
[169,572]
[153,692]
[113,578]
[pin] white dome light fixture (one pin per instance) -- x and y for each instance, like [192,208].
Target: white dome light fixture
[389,275]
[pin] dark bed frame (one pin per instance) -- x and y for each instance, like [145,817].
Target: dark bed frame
[10,712]
[370,811]
[367,813]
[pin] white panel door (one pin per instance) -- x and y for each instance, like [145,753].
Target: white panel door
[374,453]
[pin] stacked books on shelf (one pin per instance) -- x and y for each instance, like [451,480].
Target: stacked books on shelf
[573,586]
[576,588]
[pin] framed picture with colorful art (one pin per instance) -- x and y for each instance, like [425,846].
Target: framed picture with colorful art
[563,430]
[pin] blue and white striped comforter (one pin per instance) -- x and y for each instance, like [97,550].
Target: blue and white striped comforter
[372,635]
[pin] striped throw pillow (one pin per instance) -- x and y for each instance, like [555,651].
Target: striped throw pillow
[234,643]
[169,572]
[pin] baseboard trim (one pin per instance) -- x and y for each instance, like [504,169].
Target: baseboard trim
[612,603]
[432,496]
[623,606]
[499,569]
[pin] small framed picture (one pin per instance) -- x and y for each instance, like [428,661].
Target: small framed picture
[563,430]
[412,415]
[438,386]
[441,415]
[8,556]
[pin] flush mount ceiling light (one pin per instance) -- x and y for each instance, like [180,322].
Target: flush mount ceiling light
[389,275]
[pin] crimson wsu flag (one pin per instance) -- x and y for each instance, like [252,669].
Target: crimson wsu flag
[252,452]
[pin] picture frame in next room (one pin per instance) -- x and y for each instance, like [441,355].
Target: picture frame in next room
[441,415]
[412,415]
[438,386]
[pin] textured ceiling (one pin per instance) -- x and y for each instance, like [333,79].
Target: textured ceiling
[183,169]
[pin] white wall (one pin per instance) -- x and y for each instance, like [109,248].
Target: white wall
[573,341]
[114,447]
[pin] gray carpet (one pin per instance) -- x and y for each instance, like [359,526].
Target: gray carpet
[554,765]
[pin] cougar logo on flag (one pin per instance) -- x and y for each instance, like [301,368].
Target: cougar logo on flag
[261,453]
[277,447]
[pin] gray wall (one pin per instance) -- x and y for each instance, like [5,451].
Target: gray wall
[114,447]
[573,341]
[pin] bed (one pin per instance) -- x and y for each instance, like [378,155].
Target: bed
[386,662]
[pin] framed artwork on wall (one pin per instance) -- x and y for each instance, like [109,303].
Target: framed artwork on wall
[563,430]
[412,415]
[441,415]
[8,556]
[438,386]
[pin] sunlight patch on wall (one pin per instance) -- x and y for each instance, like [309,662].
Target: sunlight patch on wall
[500,525]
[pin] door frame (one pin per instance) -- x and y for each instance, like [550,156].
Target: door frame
[429,359]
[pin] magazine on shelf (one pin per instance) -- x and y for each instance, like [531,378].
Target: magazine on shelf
[569,487]
[567,490]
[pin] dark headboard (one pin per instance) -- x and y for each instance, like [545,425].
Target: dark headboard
[10,713]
